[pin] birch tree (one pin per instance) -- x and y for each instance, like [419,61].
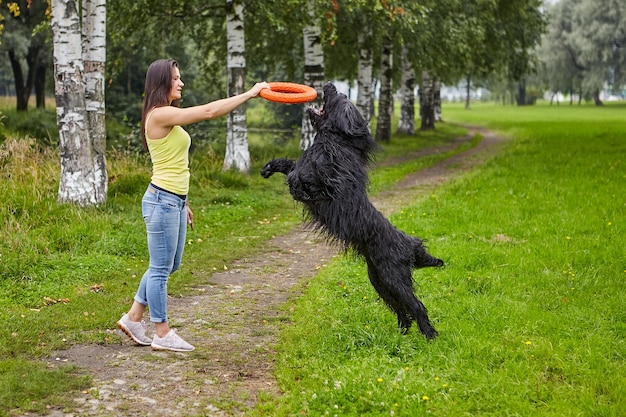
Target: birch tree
[313,72]
[94,54]
[427,108]
[383,125]
[365,73]
[237,152]
[437,100]
[406,124]
[83,169]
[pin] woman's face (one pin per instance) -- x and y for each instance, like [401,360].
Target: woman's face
[177,85]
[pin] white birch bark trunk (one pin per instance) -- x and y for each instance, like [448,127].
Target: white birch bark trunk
[77,156]
[237,152]
[94,56]
[406,124]
[383,126]
[313,73]
[437,100]
[365,84]
[427,108]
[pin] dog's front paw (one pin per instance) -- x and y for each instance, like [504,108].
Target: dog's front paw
[282,165]
[267,170]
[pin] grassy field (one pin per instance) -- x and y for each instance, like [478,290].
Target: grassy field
[530,307]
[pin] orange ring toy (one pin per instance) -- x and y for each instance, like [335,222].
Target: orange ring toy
[289,93]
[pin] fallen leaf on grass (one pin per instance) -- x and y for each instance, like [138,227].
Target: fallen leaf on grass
[47,301]
[96,288]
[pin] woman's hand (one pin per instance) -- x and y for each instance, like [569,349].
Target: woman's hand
[189,217]
[254,91]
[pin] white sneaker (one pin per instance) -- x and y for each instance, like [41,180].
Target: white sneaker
[134,330]
[171,341]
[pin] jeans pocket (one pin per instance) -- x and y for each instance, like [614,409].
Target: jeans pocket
[170,204]
[147,210]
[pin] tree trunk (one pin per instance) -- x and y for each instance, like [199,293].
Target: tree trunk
[237,153]
[406,125]
[21,91]
[313,74]
[364,75]
[468,85]
[40,86]
[437,100]
[596,98]
[521,93]
[383,126]
[77,168]
[32,61]
[427,107]
[94,56]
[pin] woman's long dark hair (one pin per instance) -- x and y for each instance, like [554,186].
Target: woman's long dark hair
[157,90]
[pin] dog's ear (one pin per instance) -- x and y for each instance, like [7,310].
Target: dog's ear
[351,124]
[351,121]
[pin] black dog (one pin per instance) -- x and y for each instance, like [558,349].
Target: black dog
[330,178]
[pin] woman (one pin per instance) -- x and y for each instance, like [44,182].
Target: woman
[164,205]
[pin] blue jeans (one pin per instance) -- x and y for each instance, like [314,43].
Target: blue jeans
[166,223]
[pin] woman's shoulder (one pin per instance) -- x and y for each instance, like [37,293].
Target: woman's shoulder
[158,123]
[159,110]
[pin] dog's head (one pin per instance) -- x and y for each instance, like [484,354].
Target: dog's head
[340,117]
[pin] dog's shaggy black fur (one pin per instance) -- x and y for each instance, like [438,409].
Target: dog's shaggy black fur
[330,179]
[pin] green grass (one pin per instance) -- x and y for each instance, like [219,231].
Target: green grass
[67,273]
[530,306]
[22,381]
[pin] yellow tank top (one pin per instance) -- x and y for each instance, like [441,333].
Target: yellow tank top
[170,160]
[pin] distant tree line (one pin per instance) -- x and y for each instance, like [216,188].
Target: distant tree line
[584,50]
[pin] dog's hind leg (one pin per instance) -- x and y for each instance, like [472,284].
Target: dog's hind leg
[414,307]
[404,320]
[421,316]
[397,292]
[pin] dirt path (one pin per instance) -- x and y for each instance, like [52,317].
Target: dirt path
[233,321]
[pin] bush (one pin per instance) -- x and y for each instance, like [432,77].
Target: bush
[38,124]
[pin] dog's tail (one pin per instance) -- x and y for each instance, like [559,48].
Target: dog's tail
[434,261]
[424,259]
